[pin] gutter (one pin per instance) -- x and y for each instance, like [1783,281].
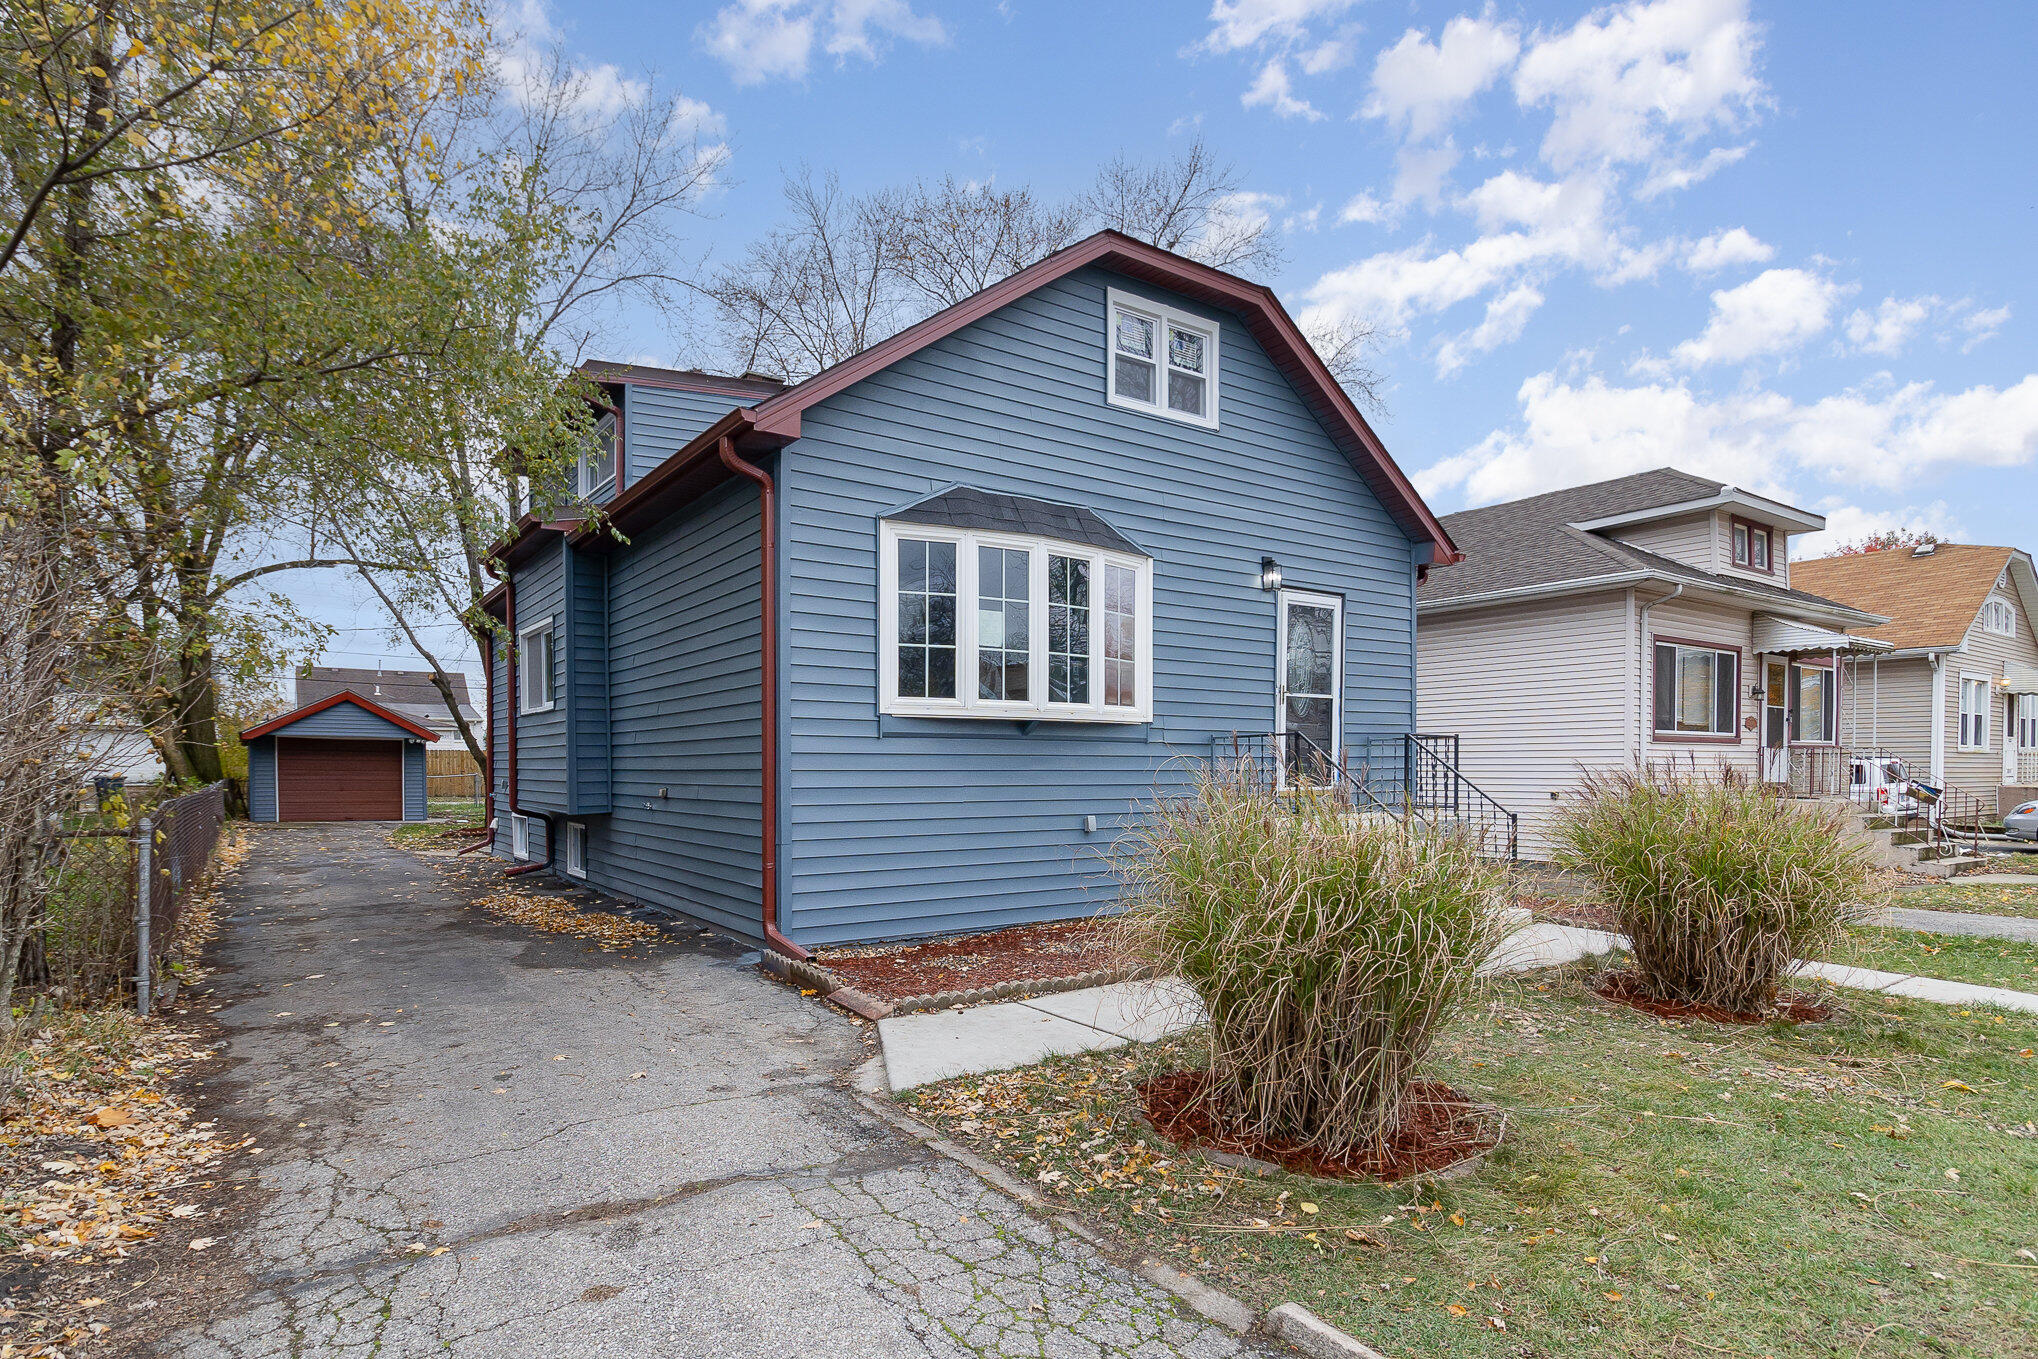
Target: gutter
[767,645]
[1644,689]
[1766,603]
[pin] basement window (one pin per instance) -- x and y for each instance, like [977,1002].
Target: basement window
[576,849]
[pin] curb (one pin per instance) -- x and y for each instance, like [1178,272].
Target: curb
[1291,1322]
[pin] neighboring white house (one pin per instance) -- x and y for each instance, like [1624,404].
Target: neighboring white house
[1957,693]
[1637,621]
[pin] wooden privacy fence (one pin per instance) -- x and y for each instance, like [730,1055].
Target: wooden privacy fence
[452,774]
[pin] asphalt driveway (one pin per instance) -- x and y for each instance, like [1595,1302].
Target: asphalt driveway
[479,1139]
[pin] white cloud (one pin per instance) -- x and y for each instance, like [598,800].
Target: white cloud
[1364,207]
[1777,310]
[1982,325]
[1725,249]
[1639,82]
[1240,24]
[1890,326]
[1506,317]
[1328,55]
[760,40]
[1420,86]
[1273,90]
[693,118]
[1674,175]
[1421,171]
[1576,431]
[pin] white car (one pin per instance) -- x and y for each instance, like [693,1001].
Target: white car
[1882,783]
[2022,822]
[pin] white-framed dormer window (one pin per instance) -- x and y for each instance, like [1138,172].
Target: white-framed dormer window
[534,667]
[1974,706]
[576,849]
[1162,361]
[520,836]
[996,625]
[1999,616]
[597,467]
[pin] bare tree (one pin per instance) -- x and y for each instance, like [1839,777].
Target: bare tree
[1191,204]
[826,285]
[958,237]
[1346,347]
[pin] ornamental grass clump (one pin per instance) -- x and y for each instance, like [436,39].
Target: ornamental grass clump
[1718,884]
[1328,949]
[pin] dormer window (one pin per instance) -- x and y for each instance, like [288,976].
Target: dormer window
[598,465]
[1753,546]
[1999,616]
[1162,361]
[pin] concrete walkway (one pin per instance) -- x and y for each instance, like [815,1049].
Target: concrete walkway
[922,1048]
[1962,922]
[480,1140]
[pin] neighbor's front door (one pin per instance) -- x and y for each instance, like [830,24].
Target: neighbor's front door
[1775,722]
[1311,672]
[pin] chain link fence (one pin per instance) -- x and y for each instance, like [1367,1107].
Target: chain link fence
[91,946]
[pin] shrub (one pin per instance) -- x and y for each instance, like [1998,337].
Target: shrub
[1328,950]
[1718,884]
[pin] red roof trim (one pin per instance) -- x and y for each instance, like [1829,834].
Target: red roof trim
[344,696]
[1256,305]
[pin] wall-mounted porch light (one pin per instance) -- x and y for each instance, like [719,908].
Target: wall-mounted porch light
[1270,574]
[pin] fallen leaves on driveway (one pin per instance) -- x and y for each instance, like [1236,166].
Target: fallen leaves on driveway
[552,915]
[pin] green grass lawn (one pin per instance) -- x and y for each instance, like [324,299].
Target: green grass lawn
[1976,895]
[464,811]
[1985,962]
[1855,1189]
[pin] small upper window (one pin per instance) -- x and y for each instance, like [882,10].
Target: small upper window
[1752,544]
[2000,617]
[598,465]
[1163,361]
[534,667]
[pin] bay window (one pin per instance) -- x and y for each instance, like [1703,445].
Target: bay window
[1162,361]
[1812,706]
[979,623]
[1697,691]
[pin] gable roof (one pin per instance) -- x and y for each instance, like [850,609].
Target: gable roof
[397,688]
[1531,546]
[969,508]
[1930,601]
[775,421]
[275,724]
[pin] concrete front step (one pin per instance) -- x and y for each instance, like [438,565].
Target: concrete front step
[1950,866]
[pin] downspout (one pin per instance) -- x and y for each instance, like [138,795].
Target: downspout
[1938,719]
[767,645]
[1644,687]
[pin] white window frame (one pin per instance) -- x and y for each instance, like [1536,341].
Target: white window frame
[520,836]
[1985,684]
[1999,609]
[966,703]
[1163,317]
[1316,600]
[576,849]
[584,467]
[1670,734]
[524,667]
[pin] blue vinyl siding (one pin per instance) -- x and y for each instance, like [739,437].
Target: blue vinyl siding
[414,781]
[262,779]
[541,737]
[895,827]
[659,421]
[344,719]
[683,693]
[585,690]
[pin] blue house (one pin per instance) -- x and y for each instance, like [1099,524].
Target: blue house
[901,649]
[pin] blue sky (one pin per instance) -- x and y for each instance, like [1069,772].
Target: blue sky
[1789,246]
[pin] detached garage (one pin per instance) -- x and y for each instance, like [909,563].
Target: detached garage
[342,758]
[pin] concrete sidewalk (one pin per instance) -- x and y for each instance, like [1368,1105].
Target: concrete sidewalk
[1969,923]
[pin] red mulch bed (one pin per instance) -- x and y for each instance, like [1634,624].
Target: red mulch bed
[1439,1128]
[1584,914]
[1625,988]
[1025,953]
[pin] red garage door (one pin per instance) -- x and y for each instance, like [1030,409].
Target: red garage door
[338,780]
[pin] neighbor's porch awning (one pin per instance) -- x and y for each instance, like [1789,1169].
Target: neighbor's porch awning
[2020,679]
[1788,636]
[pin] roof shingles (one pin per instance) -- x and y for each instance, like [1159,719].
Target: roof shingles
[1930,600]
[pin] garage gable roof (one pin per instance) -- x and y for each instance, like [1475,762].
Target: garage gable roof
[276,724]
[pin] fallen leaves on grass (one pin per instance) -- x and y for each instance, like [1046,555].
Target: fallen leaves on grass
[554,915]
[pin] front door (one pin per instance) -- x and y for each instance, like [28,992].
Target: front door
[1775,722]
[1311,672]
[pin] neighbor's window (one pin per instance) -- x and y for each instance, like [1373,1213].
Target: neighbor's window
[2000,617]
[534,667]
[598,465]
[1697,691]
[1974,705]
[1751,546]
[962,632]
[1162,360]
[576,849]
[1813,709]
